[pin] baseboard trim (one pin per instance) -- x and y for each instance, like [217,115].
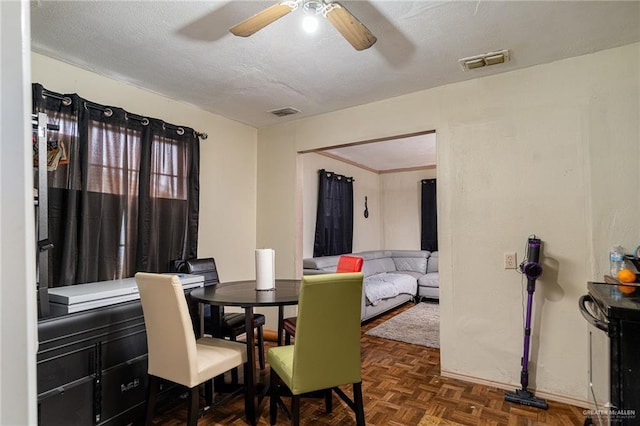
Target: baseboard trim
[582,403]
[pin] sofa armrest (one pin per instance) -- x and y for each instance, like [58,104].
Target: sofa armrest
[432,262]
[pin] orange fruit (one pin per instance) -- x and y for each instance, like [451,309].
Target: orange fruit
[626,289]
[626,276]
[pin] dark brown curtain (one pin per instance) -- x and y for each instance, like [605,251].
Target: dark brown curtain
[168,199]
[334,219]
[126,198]
[429,228]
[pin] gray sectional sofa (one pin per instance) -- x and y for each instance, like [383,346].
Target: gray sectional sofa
[391,277]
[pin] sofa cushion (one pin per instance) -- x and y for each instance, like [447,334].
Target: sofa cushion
[385,285]
[378,266]
[415,275]
[410,260]
[429,280]
[414,264]
[432,262]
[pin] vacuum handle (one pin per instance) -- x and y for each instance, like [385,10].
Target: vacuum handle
[586,313]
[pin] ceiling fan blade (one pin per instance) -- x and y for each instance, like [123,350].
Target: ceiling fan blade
[348,25]
[262,19]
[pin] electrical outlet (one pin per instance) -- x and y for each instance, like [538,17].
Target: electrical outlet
[510,261]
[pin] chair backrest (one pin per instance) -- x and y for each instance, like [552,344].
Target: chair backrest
[171,341]
[327,345]
[349,264]
[206,267]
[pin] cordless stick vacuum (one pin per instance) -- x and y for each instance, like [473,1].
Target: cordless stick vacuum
[532,269]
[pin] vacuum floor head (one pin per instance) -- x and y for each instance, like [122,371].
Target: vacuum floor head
[525,397]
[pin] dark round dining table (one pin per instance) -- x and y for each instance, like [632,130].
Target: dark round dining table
[243,294]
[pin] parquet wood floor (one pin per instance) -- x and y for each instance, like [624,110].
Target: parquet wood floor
[401,384]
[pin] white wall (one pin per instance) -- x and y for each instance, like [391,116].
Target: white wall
[544,150]
[367,233]
[18,315]
[227,164]
[401,206]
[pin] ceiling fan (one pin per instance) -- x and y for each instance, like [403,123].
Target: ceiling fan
[348,25]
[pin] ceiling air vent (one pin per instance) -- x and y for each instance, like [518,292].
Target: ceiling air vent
[484,60]
[283,112]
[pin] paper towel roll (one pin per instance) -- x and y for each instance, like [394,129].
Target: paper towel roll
[265,269]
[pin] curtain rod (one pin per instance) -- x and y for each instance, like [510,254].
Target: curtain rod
[66,101]
[348,178]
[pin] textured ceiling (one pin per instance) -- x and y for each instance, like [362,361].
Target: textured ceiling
[417,151]
[183,50]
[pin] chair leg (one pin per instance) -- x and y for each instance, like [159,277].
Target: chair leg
[192,415]
[295,410]
[208,392]
[273,398]
[234,372]
[287,338]
[261,348]
[328,400]
[152,393]
[248,403]
[359,404]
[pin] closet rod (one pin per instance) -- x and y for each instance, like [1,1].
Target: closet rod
[34,123]
[66,101]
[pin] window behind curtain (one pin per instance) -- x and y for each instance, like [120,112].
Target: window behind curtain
[127,199]
[334,219]
[166,204]
[110,202]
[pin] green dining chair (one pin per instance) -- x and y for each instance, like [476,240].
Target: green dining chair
[345,264]
[326,351]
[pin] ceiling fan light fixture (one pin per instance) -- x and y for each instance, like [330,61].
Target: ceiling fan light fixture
[313,7]
[310,24]
[353,31]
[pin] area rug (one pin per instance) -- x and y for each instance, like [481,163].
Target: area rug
[429,420]
[419,325]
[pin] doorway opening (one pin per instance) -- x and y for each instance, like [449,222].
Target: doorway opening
[388,173]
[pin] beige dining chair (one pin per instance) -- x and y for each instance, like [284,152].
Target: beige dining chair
[174,353]
[233,323]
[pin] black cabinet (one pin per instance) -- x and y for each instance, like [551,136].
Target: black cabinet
[625,370]
[92,367]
